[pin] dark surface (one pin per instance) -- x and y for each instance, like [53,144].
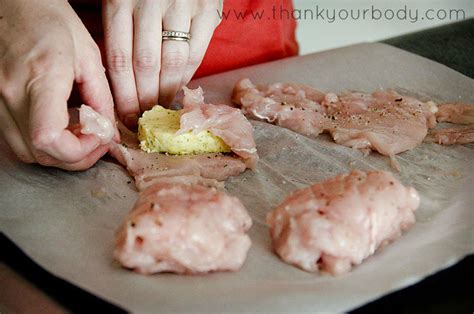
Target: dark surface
[451,45]
[449,291]
[71,297]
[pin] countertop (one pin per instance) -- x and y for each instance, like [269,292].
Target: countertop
[451,45]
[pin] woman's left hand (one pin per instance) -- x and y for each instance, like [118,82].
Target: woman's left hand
[144,70]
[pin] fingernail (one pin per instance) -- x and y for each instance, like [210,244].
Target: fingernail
[131,121]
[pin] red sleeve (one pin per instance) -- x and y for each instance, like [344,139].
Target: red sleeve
[251,32]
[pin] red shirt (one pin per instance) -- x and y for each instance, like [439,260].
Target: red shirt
[251,32]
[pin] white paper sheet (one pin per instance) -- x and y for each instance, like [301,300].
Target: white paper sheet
[66,221]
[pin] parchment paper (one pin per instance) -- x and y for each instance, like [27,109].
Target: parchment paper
[66,221]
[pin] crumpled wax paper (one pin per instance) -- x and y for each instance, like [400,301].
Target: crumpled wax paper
[66,221]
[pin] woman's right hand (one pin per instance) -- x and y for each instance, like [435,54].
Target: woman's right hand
[44,49]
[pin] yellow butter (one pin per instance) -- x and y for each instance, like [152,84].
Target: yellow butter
[157,134]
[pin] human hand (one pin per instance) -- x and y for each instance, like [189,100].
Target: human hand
[144,70]
[44,49]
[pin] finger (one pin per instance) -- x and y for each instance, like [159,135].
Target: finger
[12,135]
[49,118]
[87,162]
[93,85]
[147,52]
[202,29]
[94,88]
[174,54]
[118,33]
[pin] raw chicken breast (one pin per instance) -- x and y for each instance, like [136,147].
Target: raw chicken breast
[384,121]
[292,106]
[150,168]
[221,120]
[184,229]
[455,113]
[93,122]
[450,136]
[337,223]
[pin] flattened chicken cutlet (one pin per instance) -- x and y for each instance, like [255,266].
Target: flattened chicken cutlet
[384,121]
[184,229]
[338,223]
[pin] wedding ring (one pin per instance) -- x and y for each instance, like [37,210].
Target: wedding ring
[175,35]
